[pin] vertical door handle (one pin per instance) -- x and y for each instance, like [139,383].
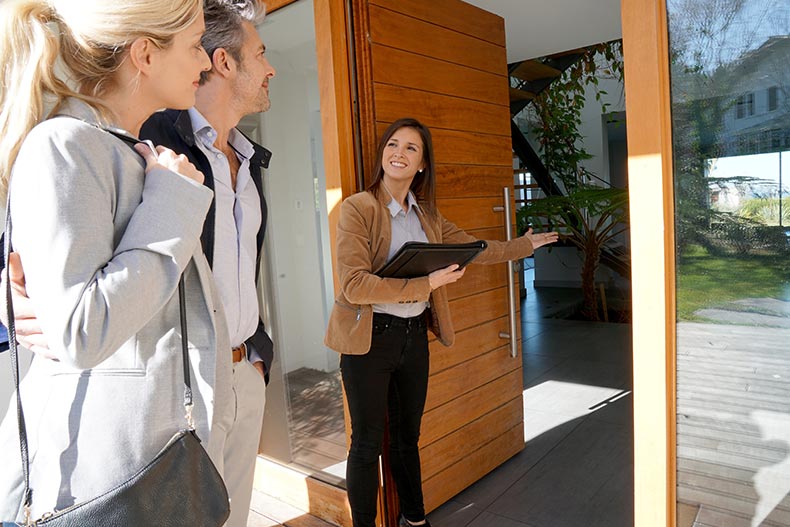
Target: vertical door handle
[511,287]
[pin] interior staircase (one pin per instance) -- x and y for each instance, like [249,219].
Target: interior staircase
[528,78]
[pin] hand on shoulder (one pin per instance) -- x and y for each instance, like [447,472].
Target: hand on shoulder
[168,159]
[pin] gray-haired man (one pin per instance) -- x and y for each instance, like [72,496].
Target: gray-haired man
[236,85]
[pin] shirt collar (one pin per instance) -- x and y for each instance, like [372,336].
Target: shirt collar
[395,208]
[183,125]
[207,135]
[203,130]
[241,144]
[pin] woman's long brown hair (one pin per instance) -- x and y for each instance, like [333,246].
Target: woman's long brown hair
[424,183]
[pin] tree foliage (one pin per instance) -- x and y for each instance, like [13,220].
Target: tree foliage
[557,112]
[589,216]
[588,219]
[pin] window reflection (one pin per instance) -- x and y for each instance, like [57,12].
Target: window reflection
[303,425]
[731,142]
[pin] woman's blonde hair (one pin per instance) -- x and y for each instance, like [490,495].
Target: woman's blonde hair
[84,40]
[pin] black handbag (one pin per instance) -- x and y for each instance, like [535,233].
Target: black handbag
[180,487]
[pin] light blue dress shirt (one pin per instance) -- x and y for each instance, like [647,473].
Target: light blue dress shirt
[406,227]
[236,221]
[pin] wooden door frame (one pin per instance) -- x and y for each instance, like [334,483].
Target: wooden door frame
[651,193]
[301,490]
[274,5]
[645,42]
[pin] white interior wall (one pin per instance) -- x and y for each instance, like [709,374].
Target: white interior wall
[535,28]
[291,131]
[593,127]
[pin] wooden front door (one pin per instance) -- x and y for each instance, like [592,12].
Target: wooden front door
[444,63]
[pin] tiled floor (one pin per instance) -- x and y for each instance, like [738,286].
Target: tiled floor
[576,469]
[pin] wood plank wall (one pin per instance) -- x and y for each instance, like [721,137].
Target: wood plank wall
[444,63]
[274,5]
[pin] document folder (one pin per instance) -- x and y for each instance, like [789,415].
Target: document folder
[420,259]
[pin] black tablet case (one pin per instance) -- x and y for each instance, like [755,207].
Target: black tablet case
[420,259]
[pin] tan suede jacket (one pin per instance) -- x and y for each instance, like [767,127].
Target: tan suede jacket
[363,240]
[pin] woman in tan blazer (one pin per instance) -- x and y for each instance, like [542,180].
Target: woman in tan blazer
[379,325]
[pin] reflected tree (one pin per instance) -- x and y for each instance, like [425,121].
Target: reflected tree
[713,50]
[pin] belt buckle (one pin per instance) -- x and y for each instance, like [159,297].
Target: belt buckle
[238,351]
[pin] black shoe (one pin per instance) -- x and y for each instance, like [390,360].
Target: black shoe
[402,522]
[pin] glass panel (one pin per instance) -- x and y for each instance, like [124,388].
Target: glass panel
[731,141]
[304,424]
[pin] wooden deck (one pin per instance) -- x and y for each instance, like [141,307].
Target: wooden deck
[734,421]
[318,434]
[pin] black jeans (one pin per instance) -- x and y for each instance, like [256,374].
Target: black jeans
[391,379]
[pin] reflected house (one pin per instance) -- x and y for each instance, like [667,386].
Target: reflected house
[741,110]
[731,137]
[754,125]
[757,120]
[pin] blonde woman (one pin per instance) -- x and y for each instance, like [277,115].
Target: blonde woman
[104,232]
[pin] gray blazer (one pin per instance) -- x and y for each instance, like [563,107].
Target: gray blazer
[103,245]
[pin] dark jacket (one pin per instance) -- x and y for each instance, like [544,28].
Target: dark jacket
[173,129]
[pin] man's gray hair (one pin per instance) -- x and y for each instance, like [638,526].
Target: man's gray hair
[223,26]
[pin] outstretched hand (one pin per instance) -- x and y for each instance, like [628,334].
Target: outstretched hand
[28,330]
[445,276]
[541,239]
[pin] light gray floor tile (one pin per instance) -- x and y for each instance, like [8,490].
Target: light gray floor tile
[566,397]
[265,508]
[259,520]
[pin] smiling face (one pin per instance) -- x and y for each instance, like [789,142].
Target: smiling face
[402,157]
[251,84]
[177,68]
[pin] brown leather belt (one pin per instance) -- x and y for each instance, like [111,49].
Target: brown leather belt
[239,353]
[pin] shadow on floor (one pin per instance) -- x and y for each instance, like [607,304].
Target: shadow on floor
[576,469]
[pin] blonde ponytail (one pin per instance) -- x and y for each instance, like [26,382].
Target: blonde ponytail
[29,49]
[88,38]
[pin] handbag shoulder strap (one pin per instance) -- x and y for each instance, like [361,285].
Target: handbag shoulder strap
[182,303]
[20,415]
[23,445]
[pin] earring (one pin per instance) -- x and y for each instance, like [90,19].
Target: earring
[419,171]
